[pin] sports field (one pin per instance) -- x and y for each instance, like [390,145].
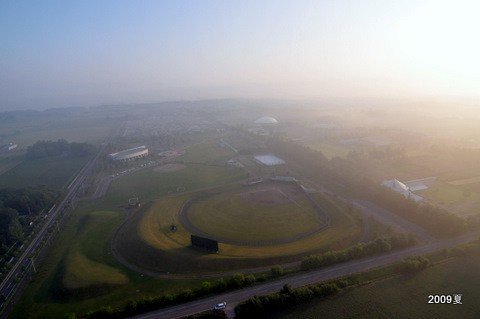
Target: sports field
[267,212]
[147,241]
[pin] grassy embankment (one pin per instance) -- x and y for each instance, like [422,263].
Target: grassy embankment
[148,241]
[80,274]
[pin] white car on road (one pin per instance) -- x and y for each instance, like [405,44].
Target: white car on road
[220,306]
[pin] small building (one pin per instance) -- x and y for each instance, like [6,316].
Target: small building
[8,147]
[269,160]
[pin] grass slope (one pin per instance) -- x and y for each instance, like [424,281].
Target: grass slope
[80,274]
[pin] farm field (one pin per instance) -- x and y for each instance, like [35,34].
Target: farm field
[462,200]
[9,161]
[330,150]
[80,274]
[80,127]
[52,172]
[403,296]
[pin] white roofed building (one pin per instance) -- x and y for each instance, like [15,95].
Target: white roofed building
[266,120]
[130,154]
[401,188]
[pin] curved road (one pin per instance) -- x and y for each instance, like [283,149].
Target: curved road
[235,297]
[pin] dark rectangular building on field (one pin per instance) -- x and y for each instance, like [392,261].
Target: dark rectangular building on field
[204,243]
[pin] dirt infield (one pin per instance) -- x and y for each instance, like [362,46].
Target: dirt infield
[172,167]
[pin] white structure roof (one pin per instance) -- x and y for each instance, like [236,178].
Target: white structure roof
[266,120]
[401,188]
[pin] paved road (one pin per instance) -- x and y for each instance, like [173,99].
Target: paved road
[235,297]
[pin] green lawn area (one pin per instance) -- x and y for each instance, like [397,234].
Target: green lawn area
[404,296]
[330,150]
[9,161]
[207,152]
[80,274]
[149,184]
[52,172]
[234,217]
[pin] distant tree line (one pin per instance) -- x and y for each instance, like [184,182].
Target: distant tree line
[349,173]
[61,147]
[17,208]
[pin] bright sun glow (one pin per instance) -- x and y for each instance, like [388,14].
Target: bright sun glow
[441,40]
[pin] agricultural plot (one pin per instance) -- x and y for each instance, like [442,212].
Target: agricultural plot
[9,161]
[91,128]
[52,172]
[463,200]
[404,296]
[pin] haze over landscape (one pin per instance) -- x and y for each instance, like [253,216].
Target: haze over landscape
[87,53]
[239,159]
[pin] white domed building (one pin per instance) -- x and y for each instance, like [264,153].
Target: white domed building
[266,120]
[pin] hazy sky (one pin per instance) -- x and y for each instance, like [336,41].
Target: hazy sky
[75,53]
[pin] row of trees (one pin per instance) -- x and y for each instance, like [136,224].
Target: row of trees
[360,250]
[259,306]
[150,303]
[61,147]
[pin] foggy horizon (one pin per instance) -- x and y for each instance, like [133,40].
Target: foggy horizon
[58,55]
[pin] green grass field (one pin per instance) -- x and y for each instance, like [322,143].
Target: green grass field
[149,184]
[8,161]
[91,128]
[233,216]
[80,274]
[207,152]
[331,150]
[404,296]
[52,172]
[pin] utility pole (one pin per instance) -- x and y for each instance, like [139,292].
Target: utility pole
[33,265]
